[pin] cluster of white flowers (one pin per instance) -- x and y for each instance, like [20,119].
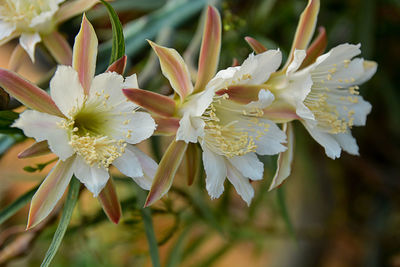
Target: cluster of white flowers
[235,114]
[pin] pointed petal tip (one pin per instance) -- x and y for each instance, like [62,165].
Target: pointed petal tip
[257,47]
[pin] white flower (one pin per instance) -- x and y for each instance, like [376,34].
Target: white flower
[234,133]
[230,129]
[88,123]
[97,129]
[325,95]
[34,19]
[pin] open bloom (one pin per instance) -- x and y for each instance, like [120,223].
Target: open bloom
[330,104]
[37,20]
[229,133]
[320,90]
[88,123]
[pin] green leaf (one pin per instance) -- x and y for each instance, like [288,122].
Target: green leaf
[69,205]
[280,194]
[39,167]
[118,43]
[147,27]
[18,204]
[176,252]
[7,118]
[148,226]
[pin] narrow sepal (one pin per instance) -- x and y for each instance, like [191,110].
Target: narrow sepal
[159,104]
[17,58]
[73,8]
[85,53]
[166,126]
[58,47]
[50,192]
[166,171]
[210,49]
[305,28]
[255,45]
[242,93]
[27,93]
[36,149]
[174,69]
[109,201]
[118,66]
[285,159]
[316,48]
[193,162]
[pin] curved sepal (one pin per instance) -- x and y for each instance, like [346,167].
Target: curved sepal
[17,58]
[285,159]
[166,171]
[85,53]
[36,149]
[159,104]
[316,48]
[27,93]
[242,93]
[210,49]
[166,126]
[174,69]
[50,192]
[109,202]
[118,66]
[193,162]
[305,28]
[58,47]
[255,45]
[73,8]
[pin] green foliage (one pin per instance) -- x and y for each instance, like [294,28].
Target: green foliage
[7,118]
[118,43]
[39,167]
[69,206]
[18,204]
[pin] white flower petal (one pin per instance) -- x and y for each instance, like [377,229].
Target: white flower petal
[43,126]
[259,67]
[265,99]
[361,109]
[369,70]
[149,167]
[93,177]
[271,142]
[298,57]
[331,145]
[131,81]
[256,69]
[216,172]
[241,184]
[6,29]
[66,89]
[190,128]
[108,87]
[347,142]
[133,127]
[338,54]
[249,166]
[28,41]
[128,163]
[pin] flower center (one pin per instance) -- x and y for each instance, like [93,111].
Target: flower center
[22,13]
[89,134]
[229,129]
[331,99]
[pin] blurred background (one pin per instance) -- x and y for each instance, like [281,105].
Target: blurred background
[329,213]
